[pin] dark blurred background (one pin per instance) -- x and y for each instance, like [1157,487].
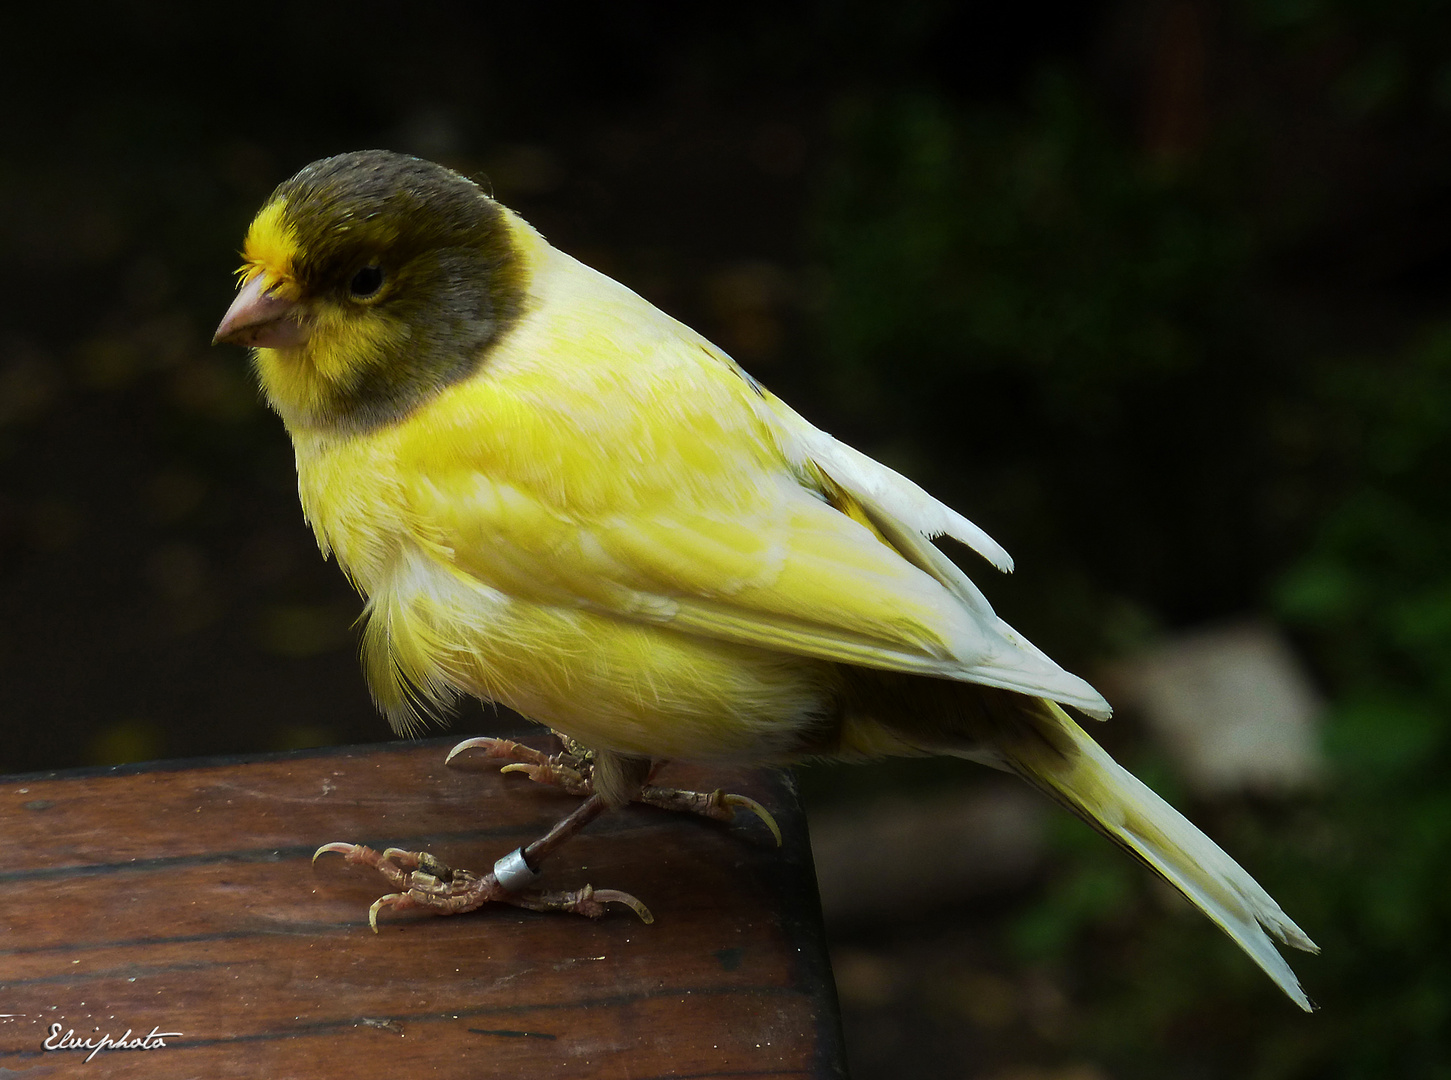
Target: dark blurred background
[1157,293]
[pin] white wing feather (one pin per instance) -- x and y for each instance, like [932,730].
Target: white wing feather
[910,519]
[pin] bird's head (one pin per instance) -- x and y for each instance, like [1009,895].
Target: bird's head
[371,281]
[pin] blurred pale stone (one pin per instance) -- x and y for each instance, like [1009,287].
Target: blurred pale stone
[1232,705]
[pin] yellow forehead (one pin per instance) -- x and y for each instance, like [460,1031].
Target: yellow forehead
[271,244]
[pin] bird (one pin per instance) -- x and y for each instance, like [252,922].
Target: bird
[555,497]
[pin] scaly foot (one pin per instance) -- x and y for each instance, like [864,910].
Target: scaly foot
[570,771]
[429,884]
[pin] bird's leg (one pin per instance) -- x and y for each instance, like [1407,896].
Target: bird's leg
[618,783]
[572,771]
[719,805]
[568,770]
[428,884]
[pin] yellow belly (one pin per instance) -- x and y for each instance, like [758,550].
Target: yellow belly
[612,684]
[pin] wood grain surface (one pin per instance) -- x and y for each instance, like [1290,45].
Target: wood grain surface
[179,897]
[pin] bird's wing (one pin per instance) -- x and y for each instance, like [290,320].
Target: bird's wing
[908,519]
[714,531]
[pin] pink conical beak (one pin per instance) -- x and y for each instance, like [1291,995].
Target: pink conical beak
[260,318]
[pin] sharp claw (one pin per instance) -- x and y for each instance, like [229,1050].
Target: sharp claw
[334,849]
[757,809]
[615,896]
[550,773]
[482,742]
[378,905]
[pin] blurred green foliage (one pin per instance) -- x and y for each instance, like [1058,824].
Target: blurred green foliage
[1102,344]
[1373,595]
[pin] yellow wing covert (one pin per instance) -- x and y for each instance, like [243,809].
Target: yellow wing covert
[754,553]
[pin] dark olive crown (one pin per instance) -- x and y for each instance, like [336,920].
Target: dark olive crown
[421,245]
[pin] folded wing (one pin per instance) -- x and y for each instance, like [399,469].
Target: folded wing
[820,551]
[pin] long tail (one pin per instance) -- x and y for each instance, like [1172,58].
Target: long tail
[1074,770]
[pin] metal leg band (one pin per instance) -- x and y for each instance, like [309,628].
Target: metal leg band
[513,873]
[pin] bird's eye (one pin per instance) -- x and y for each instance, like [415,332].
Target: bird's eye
[366,282]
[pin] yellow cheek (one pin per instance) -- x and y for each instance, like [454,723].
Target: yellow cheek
[310,385]
[346,340]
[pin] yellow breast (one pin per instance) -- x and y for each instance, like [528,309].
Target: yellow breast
[429,517]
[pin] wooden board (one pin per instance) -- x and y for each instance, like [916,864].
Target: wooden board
[179,897]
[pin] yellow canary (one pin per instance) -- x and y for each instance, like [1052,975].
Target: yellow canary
[556,497]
